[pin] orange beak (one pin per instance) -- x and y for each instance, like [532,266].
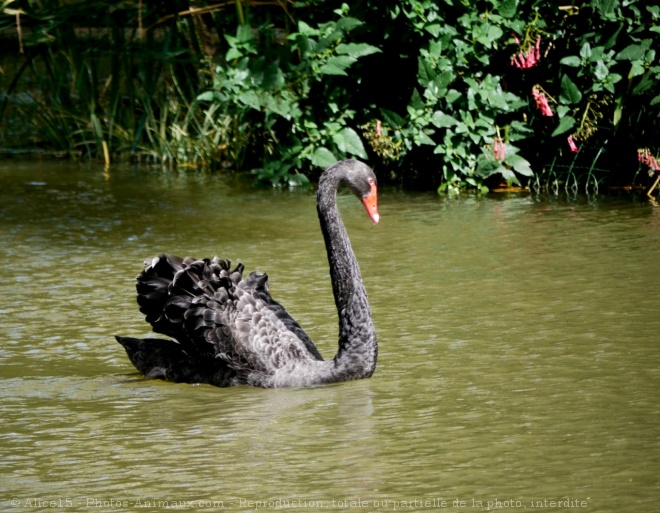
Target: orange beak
[370,202]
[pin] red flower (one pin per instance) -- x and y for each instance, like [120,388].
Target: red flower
[499,149]
[541,102]
[527,58]
[645,157]
[573,146]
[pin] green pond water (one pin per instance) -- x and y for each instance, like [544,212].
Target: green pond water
[519,361]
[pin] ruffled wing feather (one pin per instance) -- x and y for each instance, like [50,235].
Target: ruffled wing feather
[214,313]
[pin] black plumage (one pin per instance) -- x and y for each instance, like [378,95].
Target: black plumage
[228,330]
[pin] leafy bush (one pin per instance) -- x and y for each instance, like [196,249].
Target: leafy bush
[278,88]
[611,40]
[438,93]
[479,92]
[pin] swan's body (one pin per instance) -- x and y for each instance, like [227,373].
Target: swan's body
[228,329]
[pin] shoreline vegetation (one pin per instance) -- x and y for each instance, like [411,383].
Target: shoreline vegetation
[449,95]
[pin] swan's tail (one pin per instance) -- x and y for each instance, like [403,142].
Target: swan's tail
[171,286]
[170,290]
[165,359]
[208,309]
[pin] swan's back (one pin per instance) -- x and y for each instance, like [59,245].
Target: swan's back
[217,316]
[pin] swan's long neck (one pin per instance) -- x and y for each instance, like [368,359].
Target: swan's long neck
[358,348]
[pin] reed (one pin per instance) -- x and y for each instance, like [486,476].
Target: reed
[114,91]
[573,174]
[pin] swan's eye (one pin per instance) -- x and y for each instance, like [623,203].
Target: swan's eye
[371,181]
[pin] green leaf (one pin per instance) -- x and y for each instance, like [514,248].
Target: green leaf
[443,79]
[348,141]
[306,30]
[422,138]
[572,60]
[244,34]
[488,167]
[357,50]
[433,29]
[494,33]
[392,118]
[348,23]
[618,111]
[208,96]
[634,52]
[273,78]
[452,96]
[613,78]
[636,69]
[611,41]
[606,7]
[425,71]
[416,102]
[299,180]
[519,164]
[442,120]
[282,106]
[337,65]
[647,82]
[233,53]
[597,54]
[601,71]
[509,175]
[508,8]
[610,80]
[565,124]
[251,99]
[323,157]
[569,91]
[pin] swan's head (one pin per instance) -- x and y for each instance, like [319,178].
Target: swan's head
[362,181]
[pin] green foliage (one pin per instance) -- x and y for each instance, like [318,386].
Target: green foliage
[433,92]
[275,88]
[469,94]
[611,66]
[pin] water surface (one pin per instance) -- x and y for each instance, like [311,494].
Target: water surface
[518,352]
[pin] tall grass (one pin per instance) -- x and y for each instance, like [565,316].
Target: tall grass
[93,82]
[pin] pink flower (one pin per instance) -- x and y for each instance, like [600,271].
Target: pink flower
[645,157]
[572,145]
[527,58]
[541,102]
[499,149]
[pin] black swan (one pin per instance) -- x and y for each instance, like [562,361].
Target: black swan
[229,331]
